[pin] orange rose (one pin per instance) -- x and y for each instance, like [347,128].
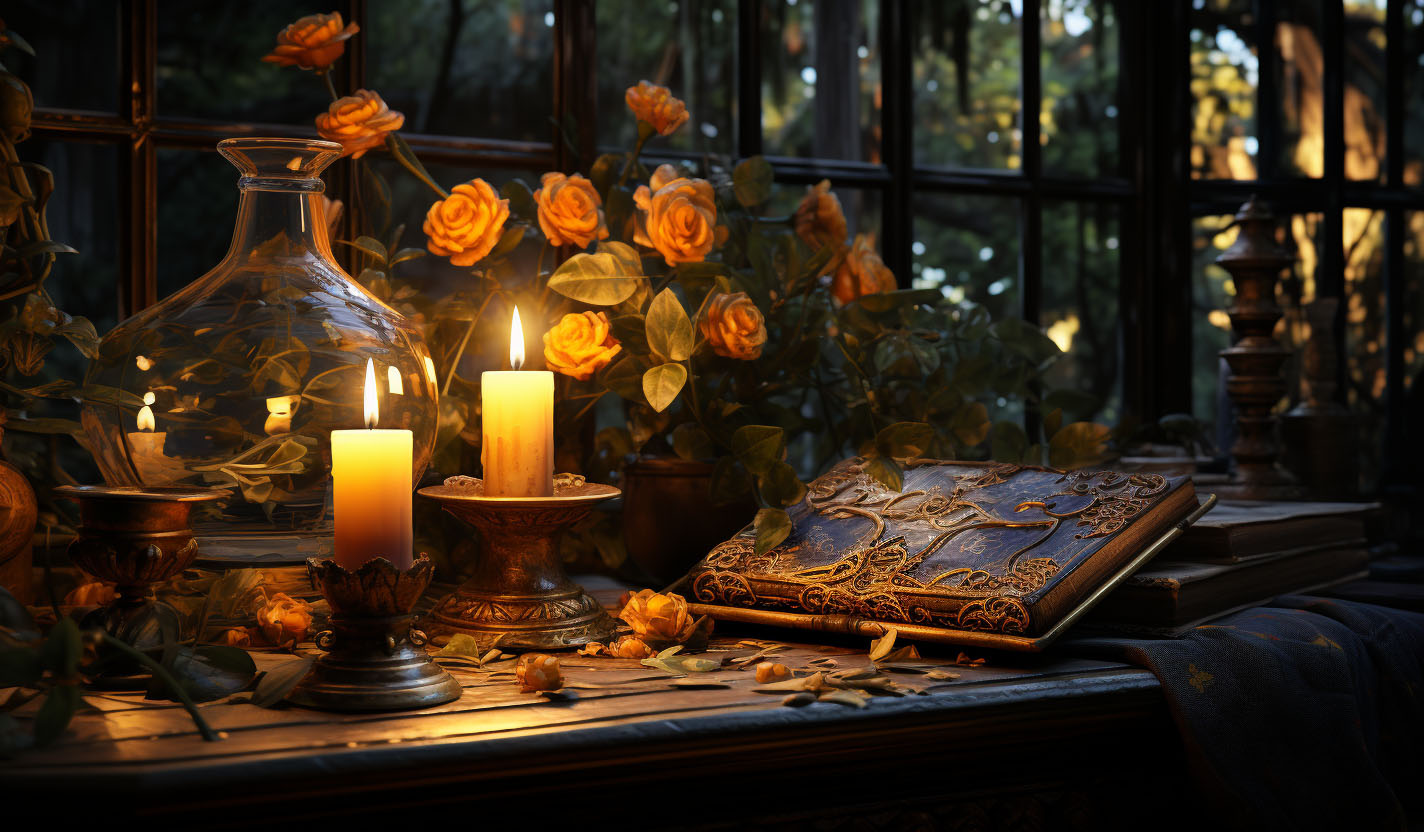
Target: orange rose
[359,122]
[734,326]
[537,671]
[659,617]
[677,216]
[313,42]
[861,272]
[631,647]
[654,106]
[90,594]
[237,637]
[569,210]
[580,345]
[284,620]
[466,225]
[819,219]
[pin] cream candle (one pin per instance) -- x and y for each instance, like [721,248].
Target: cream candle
[371,487]
[518,426]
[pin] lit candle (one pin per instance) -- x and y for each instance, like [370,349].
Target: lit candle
[518,425]
[371,485]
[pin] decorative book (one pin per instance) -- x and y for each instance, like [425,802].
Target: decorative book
[985,554]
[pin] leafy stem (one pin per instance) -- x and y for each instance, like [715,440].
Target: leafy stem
[167,678]
[407,158]
[330,87]
[469,330]
[632,163]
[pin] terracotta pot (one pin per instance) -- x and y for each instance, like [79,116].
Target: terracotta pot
[669,520]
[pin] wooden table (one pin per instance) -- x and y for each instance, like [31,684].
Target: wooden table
[1053,739]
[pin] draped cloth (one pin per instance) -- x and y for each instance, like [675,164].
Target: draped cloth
[1306,713]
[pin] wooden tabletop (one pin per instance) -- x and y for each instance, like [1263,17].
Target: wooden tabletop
[1016,727]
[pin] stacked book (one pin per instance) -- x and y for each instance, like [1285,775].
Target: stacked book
[1238,555]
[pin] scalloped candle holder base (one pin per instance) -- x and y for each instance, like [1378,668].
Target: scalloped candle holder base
[519,593]
[375,659]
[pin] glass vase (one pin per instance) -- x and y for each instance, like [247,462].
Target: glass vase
[237,380]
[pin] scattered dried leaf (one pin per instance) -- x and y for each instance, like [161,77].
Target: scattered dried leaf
[881,647]
[905,653]
[814,682]
[851,698]
[698,684]
[797,700]
[941,675]
[964,660]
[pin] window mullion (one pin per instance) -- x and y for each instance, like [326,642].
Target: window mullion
[138,175]
[749,140]
[896,120]
[1031,227]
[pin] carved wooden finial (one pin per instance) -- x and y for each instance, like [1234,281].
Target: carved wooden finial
[1255,262]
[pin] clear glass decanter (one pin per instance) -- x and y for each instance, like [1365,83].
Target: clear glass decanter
[237,380]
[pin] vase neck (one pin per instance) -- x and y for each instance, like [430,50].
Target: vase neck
[282,223]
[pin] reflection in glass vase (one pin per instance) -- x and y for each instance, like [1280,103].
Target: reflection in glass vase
[237,380]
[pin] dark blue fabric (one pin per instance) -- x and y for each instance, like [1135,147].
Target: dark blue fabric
[1304,714]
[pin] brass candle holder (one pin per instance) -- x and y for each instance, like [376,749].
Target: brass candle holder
[519,592]
[375,660]
[134,538]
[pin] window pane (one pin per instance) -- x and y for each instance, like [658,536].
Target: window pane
[1365,106]
[1414,299]
[687,46]
[1364,231]
[470,68]
[820,86]
[1080,300]
[1224,77]
[1414,92]
[210,64]
[83,212]
[1080,86]
[968,247]
[75,66]
[197,207]
[1300,87]
[967,70]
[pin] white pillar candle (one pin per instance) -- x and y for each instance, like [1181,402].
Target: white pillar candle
[371,485]
[518,426]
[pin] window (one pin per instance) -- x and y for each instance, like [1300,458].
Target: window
[1070,161]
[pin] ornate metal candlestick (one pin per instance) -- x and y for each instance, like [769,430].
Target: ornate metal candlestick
[134,537]
[1255,384]
[519,591]
[375,660]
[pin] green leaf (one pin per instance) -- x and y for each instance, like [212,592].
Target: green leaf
[62,649]
[751,181]
[773,525]
[605,171]
[971,424]
[758,447]
[274,685]
[662,383]
[887,301]
[600,279]
[669,328]
[39,247]
[730,482]
[691,442]
[82,335]
[887,472]
[205,673]
[48,425]
[625,254]
[11,203]
[369,246]
[413,253]
[56,712]
[1078,444]
[631,332]
[781,486]
[508,241]
[904,439]
[625,377]
[521,199]
[19,42]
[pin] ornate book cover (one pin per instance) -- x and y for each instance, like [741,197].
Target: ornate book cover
[972,553]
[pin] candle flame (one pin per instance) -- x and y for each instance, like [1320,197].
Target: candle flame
[145,418]
[516,342]
[371,410]
[393,381]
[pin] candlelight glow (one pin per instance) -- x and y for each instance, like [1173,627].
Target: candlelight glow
[393,381]
[516,342]
[372,411]
[430,369]
[145,418]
